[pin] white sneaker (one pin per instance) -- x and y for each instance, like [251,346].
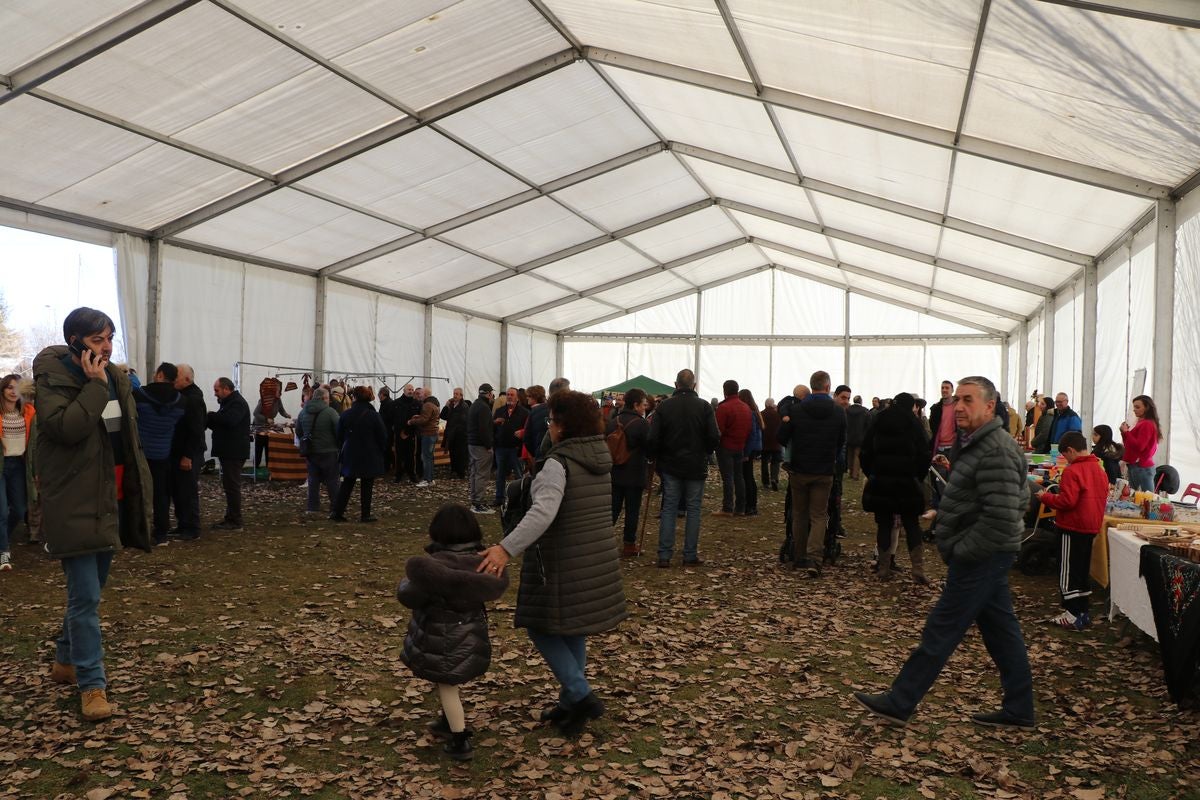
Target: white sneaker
[1065,620]
[422,484]
[5,562]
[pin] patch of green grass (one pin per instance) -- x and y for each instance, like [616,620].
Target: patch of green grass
[872,786]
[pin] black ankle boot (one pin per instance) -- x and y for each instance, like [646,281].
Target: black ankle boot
[578,715]
[554,713]
[439,727]
[459,746]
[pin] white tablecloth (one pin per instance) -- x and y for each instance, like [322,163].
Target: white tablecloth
[1128,590]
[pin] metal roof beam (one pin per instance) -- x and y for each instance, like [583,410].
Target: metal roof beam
[147,133]
[89,45]
[434,231]
[1167,12]
[671,297]
[970,145]
[382,135]
[885,278]
[785,339]
[70,216]
[575,249]
[883,204]
[272,32]
[649,272]
[885,247]
[901,304]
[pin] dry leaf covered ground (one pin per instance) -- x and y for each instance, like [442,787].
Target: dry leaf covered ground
[265,664]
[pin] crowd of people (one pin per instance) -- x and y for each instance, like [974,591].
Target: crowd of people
[139,449]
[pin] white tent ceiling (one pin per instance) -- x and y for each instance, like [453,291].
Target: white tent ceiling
[559,162]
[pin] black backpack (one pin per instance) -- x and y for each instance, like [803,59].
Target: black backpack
[518,497]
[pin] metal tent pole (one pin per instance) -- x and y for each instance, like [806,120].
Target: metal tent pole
[1164,314]
[1087,389]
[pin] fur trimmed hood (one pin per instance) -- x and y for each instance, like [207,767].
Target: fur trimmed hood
[451,576]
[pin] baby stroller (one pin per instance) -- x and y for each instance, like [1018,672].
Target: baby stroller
[1040,551]
[833,547]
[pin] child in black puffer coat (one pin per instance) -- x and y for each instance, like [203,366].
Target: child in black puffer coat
[447,640]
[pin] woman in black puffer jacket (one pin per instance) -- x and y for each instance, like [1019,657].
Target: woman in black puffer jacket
[447,640]
[895,457]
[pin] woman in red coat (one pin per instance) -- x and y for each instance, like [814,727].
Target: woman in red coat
[1141,443]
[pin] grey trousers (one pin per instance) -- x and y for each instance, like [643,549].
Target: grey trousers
[481,468]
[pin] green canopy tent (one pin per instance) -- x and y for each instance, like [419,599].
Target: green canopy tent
[647,385]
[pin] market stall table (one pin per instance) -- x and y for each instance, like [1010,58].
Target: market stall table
[1127,592]
[284,462]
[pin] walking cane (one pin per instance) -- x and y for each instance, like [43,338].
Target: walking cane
[646,511]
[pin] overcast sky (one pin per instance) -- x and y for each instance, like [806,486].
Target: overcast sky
[43,278]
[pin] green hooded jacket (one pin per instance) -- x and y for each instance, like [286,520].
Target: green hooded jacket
[75,463]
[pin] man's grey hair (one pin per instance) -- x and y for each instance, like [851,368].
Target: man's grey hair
[186,372]
[685,379]
[558,385]
[986,387]
[321,393]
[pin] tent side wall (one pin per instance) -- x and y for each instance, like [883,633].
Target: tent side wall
[1185,363]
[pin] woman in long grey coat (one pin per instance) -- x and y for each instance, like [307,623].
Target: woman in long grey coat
[570,574]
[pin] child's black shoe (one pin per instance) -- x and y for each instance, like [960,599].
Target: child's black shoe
[459,746]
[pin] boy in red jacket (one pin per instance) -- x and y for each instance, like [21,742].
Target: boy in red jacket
[1082,495]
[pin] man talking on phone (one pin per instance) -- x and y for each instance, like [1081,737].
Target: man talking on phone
[95,485]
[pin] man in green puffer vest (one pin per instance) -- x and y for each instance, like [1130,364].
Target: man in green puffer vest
[979,528]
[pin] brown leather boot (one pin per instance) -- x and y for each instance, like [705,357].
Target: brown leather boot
[63,673]
[95,705]
[917,556]
[630,550]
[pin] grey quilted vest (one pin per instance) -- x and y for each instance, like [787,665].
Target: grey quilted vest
[571,578]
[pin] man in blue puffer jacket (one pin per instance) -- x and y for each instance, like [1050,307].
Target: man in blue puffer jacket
[159,407]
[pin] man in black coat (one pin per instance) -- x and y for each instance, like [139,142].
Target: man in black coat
[387,409]
[816,433]
[856,429]
[454,437]
[187,455]
[231,446]
[480,437]
[683,432]
[407,406]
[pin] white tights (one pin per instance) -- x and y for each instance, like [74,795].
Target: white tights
[452,707]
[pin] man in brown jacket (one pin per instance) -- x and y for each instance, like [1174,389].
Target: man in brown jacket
[426,425]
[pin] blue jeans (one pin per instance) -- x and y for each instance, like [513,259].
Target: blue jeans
[691,492]
[507,458]
[567,658]
[79,643]
[12,497]
[974,593]
[1140,478]
[427,444]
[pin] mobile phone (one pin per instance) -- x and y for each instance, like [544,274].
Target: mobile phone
[77,348]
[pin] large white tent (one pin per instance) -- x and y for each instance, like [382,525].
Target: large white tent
[503,190]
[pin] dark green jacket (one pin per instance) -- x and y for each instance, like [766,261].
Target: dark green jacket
[75,463]
[581,592]
[983,507]
[319,421]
